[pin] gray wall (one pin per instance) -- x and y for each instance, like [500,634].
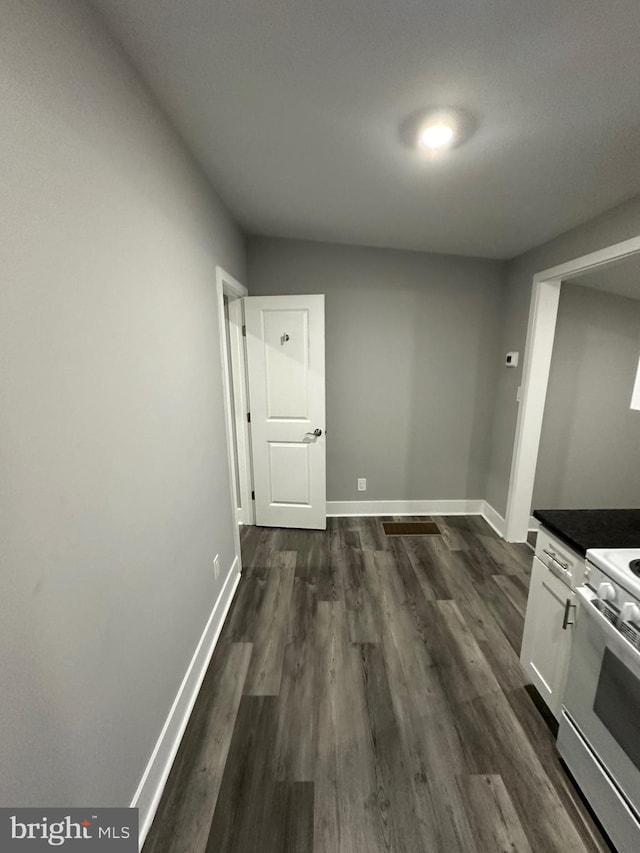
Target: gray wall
[114,491]
[614,226]
[590,438]
[412,358]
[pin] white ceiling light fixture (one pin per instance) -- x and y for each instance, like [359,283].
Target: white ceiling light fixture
[436,136]
[435,130]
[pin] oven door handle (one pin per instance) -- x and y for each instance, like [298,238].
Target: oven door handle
[612,636]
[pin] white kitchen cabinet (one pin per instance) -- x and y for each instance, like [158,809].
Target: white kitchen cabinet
[548,631]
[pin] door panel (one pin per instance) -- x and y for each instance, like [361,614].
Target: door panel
[289,473]
[287,364]
[285,354]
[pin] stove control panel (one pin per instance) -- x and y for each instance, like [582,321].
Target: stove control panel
[595,578]
[630,612]
[615,603]
[606,591]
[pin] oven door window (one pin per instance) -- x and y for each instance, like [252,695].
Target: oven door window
[617,704]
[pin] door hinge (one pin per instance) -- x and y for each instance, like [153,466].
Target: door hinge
[244,331]
[248,417]
[253,496]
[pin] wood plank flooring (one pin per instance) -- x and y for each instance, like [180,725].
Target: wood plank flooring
[366,695]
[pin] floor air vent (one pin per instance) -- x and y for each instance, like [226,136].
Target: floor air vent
[411,528]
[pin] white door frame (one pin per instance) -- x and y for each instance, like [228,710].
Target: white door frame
[535,377]
[236,405]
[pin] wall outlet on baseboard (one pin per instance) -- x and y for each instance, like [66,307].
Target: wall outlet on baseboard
[216,567]
[362,484]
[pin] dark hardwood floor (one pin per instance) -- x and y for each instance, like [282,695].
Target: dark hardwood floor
[366,695]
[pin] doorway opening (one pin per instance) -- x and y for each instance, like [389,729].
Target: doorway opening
[272,353]
[230,294]
[543,315]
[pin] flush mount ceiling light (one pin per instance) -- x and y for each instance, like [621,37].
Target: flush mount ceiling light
[436,135]
[437,129]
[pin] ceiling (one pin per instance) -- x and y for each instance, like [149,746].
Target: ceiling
[293,109]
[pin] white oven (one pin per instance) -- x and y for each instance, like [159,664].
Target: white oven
[599,735]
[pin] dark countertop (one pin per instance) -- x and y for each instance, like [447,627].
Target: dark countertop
[582,529]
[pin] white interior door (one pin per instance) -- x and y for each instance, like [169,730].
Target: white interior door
[285,358]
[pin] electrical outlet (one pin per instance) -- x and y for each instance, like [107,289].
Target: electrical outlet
[216,567]
[362,484]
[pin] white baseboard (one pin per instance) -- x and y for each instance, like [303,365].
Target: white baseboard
[343,508]
[445,507]
[493,518]
[147,797]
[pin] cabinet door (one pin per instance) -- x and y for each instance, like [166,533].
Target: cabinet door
[545,644]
